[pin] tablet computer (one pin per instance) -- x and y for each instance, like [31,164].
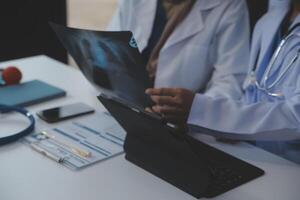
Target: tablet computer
[165,151]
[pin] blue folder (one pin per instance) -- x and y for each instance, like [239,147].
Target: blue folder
[28,93]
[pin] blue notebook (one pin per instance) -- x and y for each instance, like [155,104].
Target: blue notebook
[29,93]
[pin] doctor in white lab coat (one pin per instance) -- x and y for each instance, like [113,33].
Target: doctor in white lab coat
[270,106]
[206,53]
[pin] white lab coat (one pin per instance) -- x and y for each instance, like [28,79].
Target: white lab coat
[266,118]
[208,52]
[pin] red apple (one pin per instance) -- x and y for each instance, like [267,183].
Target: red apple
[11,75]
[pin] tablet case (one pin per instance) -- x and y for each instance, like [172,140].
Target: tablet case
[28,93]
[177,158]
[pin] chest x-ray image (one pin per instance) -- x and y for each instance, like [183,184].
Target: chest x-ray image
[109,60]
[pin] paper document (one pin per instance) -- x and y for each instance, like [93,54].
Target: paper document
[80,143]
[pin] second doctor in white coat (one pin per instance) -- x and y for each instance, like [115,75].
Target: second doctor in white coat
[270,106]
[207,52]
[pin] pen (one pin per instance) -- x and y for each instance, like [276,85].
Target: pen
[76,150]
[46,153]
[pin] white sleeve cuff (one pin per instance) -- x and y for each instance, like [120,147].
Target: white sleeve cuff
[198,110]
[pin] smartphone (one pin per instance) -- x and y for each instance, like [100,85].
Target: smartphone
[64,112]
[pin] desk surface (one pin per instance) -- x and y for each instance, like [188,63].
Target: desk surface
[25,174]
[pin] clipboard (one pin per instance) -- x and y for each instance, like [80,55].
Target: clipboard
[179,159]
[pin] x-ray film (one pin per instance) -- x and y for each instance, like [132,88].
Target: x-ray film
[111,61]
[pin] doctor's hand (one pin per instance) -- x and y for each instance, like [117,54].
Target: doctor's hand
[172,103]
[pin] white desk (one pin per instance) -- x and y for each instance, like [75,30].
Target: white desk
[25,174]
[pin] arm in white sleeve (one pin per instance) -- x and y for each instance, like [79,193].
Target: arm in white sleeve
[233,119]
[232,52]
[115,23]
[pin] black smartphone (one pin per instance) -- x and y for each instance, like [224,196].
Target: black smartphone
[64,112]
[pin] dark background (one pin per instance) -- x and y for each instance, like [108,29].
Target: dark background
[24,29]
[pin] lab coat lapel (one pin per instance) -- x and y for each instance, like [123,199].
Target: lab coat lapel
[270,29]
[144,16]
[192,24]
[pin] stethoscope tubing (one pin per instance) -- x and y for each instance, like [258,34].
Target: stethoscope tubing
[26,131]
[273,60]
[263,85]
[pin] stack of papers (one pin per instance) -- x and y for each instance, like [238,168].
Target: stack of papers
[81,143]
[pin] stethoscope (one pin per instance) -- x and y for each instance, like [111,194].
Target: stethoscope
[263,86]
[15,136]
